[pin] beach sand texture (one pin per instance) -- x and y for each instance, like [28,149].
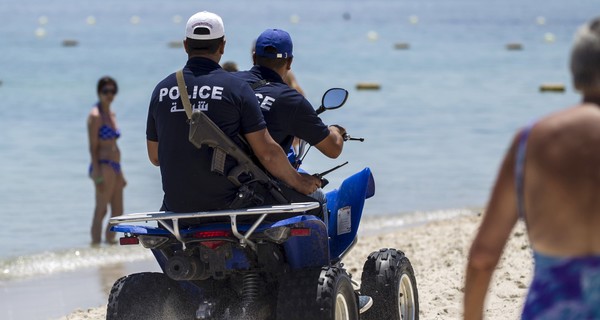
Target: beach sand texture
[438,253]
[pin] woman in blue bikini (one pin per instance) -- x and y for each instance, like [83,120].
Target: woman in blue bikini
[550,178]
[105,168]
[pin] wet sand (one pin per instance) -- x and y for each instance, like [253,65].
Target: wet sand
[438,253]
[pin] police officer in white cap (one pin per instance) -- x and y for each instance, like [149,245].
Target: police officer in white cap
[189,185]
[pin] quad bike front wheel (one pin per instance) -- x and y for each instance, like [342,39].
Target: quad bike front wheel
[389,279]
[148,295]
[318,294]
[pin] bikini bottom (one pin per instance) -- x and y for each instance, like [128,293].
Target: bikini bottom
[113,164]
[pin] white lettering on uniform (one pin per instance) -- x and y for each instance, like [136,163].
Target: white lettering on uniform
[217,93]
[163,92]
[201,93]
[267,103]
[174,93]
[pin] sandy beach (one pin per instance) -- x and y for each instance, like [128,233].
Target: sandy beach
[438,253]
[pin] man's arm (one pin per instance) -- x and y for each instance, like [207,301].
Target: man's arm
[153,152]
[333,144]
[272,157]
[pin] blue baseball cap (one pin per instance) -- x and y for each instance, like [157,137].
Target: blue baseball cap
[279,40]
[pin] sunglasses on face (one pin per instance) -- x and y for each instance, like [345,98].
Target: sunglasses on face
[108,91]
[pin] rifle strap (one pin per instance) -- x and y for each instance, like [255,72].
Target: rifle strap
[258,84]
[183,93]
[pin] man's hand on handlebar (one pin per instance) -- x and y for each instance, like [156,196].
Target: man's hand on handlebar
[340,129]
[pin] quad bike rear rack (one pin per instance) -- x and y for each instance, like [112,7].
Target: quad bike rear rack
[163,216]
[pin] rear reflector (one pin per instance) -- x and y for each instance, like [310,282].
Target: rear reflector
[300,232]
[128,240]
[212,244]
[212,234]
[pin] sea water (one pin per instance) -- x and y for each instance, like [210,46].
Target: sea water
[434,133]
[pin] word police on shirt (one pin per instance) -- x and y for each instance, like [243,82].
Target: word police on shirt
[202,92]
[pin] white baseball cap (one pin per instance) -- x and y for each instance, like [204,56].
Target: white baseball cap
[204,26]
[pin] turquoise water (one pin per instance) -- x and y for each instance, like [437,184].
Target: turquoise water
[435,132]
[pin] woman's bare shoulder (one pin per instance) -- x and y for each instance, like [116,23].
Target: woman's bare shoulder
[94,116]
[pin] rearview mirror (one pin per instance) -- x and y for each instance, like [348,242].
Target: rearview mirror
[333,99]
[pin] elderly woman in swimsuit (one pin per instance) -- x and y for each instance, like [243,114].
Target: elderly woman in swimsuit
[105,168]
[550,178]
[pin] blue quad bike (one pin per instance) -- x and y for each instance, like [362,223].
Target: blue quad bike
[249,264]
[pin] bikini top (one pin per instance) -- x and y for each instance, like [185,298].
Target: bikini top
[107,133]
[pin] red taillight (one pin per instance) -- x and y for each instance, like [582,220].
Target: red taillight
[300,232]
[212,234]
[128,240]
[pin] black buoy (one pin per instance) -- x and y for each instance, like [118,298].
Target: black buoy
[402,46]
[175,44]
[70,43]
[514,46]
[346,16]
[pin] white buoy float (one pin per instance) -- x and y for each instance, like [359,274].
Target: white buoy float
[372,35]
[413,19]
[135,20]
[540,20]
[294,18]
[91,20]
[40,32]
[549,37]
[177,19]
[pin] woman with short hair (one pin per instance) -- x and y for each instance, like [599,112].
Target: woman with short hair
[550,178]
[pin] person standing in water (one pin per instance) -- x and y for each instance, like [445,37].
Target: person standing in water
[105,168]
[550,178]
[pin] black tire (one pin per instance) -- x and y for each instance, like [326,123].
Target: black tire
[389,279]
[148,295]
[316,294]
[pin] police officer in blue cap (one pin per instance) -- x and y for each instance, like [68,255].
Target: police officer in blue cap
[287,113]
[189,184]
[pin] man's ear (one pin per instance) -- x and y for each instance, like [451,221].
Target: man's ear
[289,63]
[222,47]
[185,45]
[253,58]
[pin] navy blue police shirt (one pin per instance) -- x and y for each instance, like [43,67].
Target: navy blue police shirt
[188,183]
[287,113]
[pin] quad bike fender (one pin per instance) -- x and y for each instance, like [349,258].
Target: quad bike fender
[345,210]
[306,251]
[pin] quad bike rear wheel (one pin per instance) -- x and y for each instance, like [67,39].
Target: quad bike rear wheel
[148,295]
[318,294]
[389,279]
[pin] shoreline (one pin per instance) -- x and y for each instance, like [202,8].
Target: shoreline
[438,253]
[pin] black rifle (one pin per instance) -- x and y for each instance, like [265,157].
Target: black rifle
[203,131]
